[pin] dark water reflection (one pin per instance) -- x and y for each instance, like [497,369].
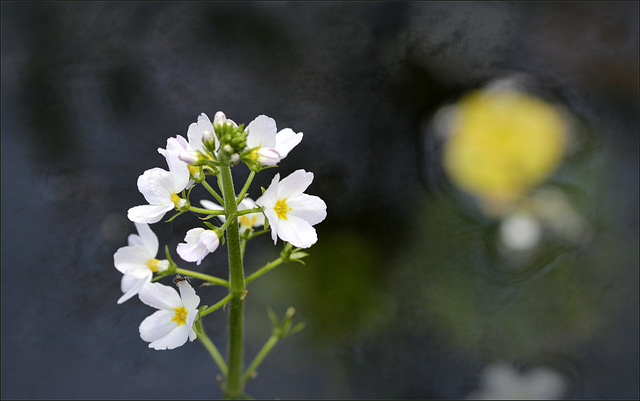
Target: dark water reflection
[408,293]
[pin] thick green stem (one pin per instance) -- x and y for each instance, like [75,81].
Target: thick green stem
[234,387]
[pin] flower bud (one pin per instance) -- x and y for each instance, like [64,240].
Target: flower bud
[189,157]
[219,118]
[208,138]
[227,148]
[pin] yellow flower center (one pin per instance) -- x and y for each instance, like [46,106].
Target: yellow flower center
[281,209]
[176,199]
[248,222]
[153,265]
[253,156]
[180,316]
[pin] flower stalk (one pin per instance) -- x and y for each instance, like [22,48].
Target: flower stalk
[284,210]
[234,387]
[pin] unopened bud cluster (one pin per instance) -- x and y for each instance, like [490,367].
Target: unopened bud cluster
[233,139]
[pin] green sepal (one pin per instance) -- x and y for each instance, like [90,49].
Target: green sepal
[273,318]
[284,328]
[297,257]
[172,265]
[211,226]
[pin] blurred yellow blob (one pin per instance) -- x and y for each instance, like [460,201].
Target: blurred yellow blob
[503,144]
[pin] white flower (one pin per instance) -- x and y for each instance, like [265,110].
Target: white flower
[199,243]
[246,221]
[160,189]
[500,381]
[290,212]
[271,146]
[172,324]
[137,262]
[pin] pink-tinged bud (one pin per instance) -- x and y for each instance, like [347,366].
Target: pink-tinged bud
[207,137]
[268,156]
[219,118]
[189,157]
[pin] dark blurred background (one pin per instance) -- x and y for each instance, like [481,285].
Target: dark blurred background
[400,297]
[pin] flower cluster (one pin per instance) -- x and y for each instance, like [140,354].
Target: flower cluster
[210,149]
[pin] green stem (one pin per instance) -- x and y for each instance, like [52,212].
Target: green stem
[246,187]
[234,387]
[248,211]
[206,211]
[271,342]
[263,270]
[208,344]
[212,192]
[221,303]
[255,234]
[202,276]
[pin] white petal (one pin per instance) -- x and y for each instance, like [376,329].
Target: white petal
[131,285]
[294,184]
[258,218]
[151,185]
[132,260]
[160,296]
[210,205]
[297,231]
[310,208]
[270,196]
[247,203]
[197,129]
[134,239]
[163,265]
[149,239]
[210,240]
[198,244]
[148,214]
[176,338]
[287,140]
[157,325]
[273,223]
[177,168]
[157,184]
[262,132]
[189,298]
[191,317]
